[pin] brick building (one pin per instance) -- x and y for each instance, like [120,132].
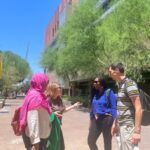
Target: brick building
[51,33]
[58,19]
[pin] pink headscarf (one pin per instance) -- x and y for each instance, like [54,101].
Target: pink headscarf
[35,98]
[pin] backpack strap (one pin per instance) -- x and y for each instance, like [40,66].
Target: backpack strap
[125,88]
[108,97]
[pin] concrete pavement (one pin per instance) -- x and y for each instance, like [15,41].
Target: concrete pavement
[75,130]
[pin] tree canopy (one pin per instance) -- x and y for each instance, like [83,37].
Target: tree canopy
[14,70]
[123,35]
[76,43]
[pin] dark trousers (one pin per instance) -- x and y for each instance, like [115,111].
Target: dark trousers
[101,125]
[62,143]
[28,146]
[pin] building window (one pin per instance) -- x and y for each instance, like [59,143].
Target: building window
[53,32]
[57,24]
[55,27]
[70,2]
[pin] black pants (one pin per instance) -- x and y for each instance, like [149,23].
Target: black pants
[28,146]
[101,125]
[62,143]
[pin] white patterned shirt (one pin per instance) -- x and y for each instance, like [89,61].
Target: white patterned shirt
[38,125]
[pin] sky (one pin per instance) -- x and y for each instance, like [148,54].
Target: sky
[22,27]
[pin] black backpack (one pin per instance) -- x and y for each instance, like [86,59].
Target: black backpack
[145,102]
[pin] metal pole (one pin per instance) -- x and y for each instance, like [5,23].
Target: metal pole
[27,51]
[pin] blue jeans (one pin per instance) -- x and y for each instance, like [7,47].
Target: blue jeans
[101,125]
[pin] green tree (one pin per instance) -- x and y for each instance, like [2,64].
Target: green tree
[15,70]
[78,41]
[48,58]
[124,36]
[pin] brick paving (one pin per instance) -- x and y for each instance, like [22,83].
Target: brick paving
[75,130]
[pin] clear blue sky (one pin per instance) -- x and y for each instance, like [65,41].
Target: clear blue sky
[22,23]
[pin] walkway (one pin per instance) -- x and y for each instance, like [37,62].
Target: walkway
[75,129]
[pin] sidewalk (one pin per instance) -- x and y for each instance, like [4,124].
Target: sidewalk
[8,141]
[75,130]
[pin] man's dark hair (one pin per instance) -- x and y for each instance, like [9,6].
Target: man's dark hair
[118,66]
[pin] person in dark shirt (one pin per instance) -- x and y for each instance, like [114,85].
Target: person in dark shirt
[102,114]
[54,94]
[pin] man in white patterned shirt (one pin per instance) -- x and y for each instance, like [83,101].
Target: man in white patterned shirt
[129,109]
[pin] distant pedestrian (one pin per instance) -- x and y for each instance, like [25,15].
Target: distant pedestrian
[102,114]
[35,112]
[128,122]
[54,93]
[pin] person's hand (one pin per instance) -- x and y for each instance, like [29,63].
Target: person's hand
[136,138]
[114,129]
[58,114]
[77,104]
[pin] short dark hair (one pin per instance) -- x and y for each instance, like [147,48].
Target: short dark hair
[118,66]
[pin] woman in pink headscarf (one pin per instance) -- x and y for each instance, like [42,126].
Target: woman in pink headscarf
[34,119]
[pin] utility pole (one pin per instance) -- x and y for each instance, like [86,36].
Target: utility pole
[27,51]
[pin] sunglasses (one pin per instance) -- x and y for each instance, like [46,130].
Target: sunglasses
[96,82]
